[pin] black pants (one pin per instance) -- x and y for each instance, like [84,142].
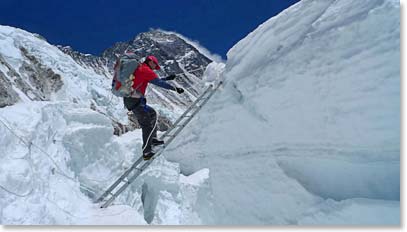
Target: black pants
[146,117]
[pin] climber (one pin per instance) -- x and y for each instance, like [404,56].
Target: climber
[137,103]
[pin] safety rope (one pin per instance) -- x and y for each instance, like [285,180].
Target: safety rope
[29,144]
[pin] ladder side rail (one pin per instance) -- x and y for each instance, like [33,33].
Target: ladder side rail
[180,124]
[130,180]
[191,117]
[208,98]
[121,189]
[177,132]
[146,164]
[184,124]
[187,111]
[117,182]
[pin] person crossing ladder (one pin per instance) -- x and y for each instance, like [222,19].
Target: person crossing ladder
[137,103]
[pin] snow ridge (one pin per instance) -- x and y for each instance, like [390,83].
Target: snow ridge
[308,120]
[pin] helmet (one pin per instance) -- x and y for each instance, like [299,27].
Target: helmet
[153,59]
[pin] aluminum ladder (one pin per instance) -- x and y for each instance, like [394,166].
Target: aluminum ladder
[140,164]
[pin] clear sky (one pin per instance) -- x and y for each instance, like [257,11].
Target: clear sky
[91,26]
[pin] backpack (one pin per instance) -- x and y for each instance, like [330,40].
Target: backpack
[123,76]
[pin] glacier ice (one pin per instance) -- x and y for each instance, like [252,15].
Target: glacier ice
[305,130]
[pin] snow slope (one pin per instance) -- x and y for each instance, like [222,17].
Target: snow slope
[80,85]
[42,181]
[56,156]
[306,129]
[72,159]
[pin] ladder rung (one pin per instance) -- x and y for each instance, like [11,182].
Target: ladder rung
[126,178]
[117,182]
[107,203]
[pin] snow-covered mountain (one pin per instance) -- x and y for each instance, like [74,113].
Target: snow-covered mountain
[69,94]
[31,77]
[174,53]
[305,130]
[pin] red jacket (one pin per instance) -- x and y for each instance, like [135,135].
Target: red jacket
[143,74]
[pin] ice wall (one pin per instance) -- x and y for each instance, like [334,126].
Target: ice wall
[309,115]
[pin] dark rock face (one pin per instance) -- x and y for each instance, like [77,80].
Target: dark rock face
[41,77]
[34,79]
[175,56]
[98,64]
[171,51]
[8,96]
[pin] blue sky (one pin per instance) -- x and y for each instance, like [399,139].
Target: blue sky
[91,26]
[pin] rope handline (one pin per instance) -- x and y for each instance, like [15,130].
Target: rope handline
[29,144]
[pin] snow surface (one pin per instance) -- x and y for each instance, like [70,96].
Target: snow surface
[60,155]
[81,85]
[44,186]
[305,130]
[215,57]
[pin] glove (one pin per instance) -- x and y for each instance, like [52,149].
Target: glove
[179,90]
[170,77]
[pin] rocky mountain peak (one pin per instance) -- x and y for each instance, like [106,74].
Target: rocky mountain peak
[175,55]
